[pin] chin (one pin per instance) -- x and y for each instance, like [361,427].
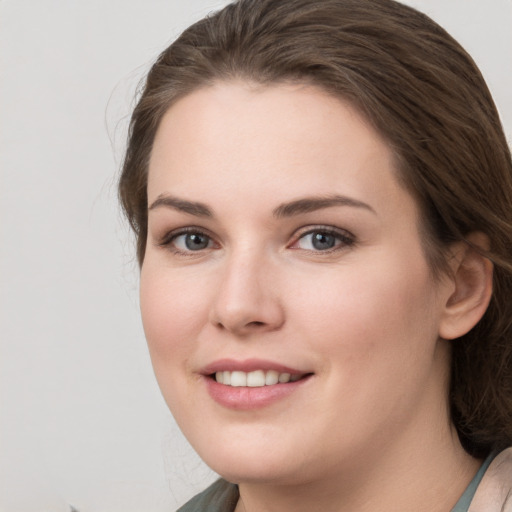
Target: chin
[257,462]
[258,471]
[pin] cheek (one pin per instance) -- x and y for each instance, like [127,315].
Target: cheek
[173,311]
[383,312]
[376,335]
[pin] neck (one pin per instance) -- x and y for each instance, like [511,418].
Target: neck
[430,479]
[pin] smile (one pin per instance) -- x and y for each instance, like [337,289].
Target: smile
[255,379]
[252,383]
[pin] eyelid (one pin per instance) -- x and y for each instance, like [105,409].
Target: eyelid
[346,237]
[167,239]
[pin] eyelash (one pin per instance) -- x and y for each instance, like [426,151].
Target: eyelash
[168,241]
[343,240]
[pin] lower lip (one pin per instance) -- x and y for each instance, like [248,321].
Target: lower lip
[246,398]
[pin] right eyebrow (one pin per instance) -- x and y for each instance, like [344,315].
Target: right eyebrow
[181,205]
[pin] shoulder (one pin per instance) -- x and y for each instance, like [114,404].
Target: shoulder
[221,496]
[494,494]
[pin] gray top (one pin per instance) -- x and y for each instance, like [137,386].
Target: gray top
[221,496]
[465,500]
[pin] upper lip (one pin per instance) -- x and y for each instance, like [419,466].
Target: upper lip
[248,365]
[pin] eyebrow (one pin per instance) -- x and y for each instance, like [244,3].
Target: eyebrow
[311,204]
[297,207]
[181,205]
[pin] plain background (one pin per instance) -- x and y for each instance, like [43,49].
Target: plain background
[82,421]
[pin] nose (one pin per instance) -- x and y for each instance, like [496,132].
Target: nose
[247,300]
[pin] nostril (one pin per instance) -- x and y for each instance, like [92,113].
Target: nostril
[242,328]
[256,324]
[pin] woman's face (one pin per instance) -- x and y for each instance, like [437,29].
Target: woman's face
[281,243]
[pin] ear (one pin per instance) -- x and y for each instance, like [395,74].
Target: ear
[471,288]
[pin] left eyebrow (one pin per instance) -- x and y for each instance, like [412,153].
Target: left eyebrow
[311,204]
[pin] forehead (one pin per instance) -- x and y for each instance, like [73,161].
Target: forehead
[234,137]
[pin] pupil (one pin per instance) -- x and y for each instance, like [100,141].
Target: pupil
[323,241]
[195,242]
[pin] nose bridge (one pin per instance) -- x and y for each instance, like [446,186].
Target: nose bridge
[246,300]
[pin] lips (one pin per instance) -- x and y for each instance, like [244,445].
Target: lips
[251,383]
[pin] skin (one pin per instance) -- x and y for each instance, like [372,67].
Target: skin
[370,429]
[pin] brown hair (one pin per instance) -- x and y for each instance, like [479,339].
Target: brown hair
[425,96]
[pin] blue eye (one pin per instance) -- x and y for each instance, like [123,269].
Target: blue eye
[191,241]
[323,240]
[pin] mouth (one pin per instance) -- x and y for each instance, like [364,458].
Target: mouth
[255,378]
[252,383]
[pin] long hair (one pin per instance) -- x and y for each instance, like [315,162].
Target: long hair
[424,94]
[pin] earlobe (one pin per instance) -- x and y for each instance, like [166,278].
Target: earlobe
[471,287]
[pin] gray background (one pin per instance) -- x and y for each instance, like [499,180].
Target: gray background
[82,421]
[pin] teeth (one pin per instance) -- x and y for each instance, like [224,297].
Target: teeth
[255,379]
[284,377]
[271,378]
[238,379]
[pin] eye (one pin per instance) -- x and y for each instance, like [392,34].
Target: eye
[192,242]
[323,239]
[186,241]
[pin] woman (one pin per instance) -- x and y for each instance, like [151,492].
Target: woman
[321,196]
